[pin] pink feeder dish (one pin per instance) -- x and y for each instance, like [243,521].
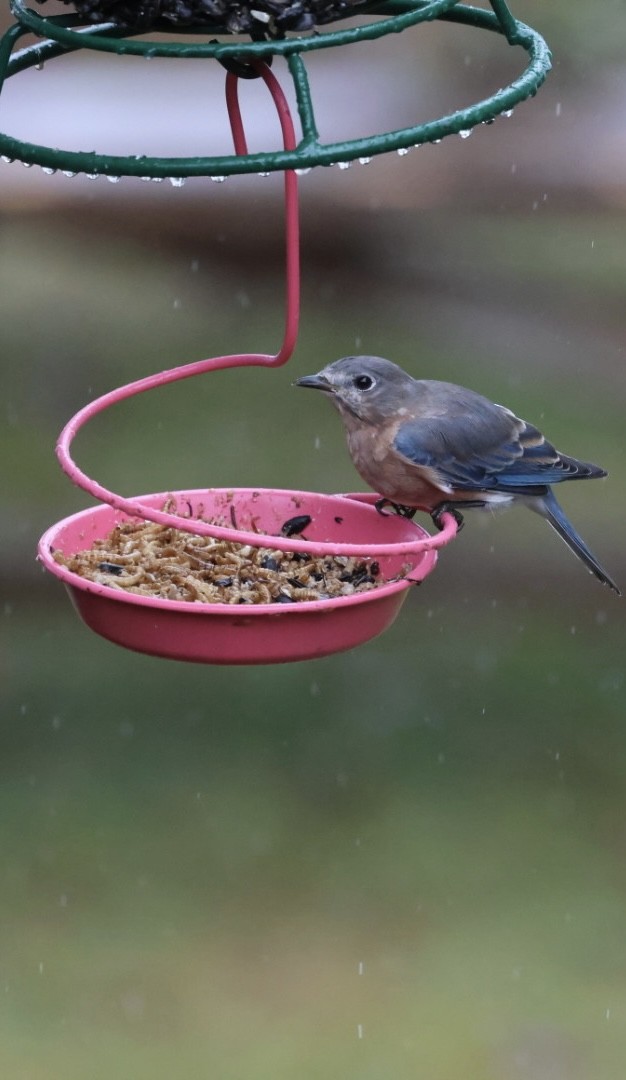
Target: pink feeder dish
[257,633]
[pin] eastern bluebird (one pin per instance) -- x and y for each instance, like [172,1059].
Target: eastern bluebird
[437,446]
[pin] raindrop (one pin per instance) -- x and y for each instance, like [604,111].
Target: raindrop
[359,1031]
[7,160]
[436,142]
[343,165]
[177,181]
[403,150]
[465,133]
[513,170]
[177,305]
[92,175]
[218,179]
[157,179]
[364,160]
[558,109]
[48,171]
[508,113]
[361,967]
[302,172]
[27,164]
[195,266]
[113,179]
[39,67]
[263,174]
[317,442]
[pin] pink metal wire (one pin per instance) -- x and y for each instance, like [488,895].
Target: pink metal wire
[134,507]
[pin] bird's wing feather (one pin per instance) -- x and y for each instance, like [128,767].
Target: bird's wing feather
[492,452]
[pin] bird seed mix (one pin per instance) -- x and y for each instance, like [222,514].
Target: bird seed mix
[156,560]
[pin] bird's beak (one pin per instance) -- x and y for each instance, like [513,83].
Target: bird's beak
[315,382]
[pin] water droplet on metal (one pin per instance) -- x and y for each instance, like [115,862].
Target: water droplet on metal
[364,160]
[218,179]
[113,179]
[47,170]
[302,172]
[508,113]
[27,164]
[402,151]
[177,181]
[263,174]
[465,133]
[7,160]
[343,165]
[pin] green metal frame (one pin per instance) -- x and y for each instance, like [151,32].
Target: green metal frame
[60,37]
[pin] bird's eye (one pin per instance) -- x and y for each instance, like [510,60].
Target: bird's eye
[364,382]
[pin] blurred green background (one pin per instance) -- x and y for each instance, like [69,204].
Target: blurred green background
[403,861]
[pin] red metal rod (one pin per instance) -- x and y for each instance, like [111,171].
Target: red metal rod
[134,507]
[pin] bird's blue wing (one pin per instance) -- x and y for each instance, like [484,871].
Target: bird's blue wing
[504,454]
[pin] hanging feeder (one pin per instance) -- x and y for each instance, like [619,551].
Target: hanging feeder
[63,34]
[338,526]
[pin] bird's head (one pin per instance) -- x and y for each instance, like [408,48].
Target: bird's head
[367,387]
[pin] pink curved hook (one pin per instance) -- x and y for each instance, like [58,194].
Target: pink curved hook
[134,507]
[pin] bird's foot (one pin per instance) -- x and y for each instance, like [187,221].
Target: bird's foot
[452,508]
[397,508]
[447,508]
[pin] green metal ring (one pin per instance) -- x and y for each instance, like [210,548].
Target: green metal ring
[398,15]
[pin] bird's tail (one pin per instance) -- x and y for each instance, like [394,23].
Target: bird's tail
[548,507]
